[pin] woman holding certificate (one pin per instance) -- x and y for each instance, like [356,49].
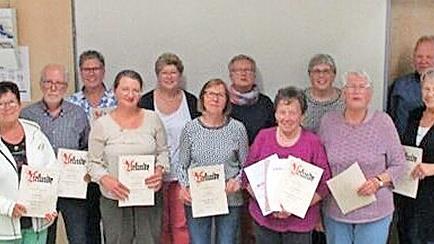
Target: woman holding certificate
[213,140]
[128,131]
[364,139]
[288,139]
[175,107]
[22,143]
[416,216]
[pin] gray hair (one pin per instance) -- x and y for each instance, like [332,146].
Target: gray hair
[242,57]
[91,54]
[289,94]
[322,59]
[58,67]
[427,74]
[423,39]
[358,73]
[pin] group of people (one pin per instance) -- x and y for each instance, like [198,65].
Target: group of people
[233,125]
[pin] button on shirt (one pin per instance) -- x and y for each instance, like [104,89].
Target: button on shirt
[107,100]
[70,129]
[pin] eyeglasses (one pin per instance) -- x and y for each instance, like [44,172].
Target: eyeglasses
[354,88]
[50,83]
[318,72]
[214,95]
[9,104]
[91,69]
[240,71]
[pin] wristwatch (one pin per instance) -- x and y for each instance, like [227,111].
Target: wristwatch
[380,182]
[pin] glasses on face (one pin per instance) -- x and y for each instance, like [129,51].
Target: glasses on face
[317,72]
[51,83]
[127,91]
[242,71]
[9,104]
[215,95]
[90,69]
[353,88]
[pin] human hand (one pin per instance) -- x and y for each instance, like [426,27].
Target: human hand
[370,187]
[155,181]
[422,170]
[184,195]
[18,211]
[51,216]
[113,186]
[283,214]
[232,186]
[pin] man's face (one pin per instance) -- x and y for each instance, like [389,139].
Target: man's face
[242,74]
[53,85]
[92,73]
[423,57]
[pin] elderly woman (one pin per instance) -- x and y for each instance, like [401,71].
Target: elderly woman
[128,130]
[359,134]
[416,216]
[22,143]
[288,138]
[214,138]
[175,107]
[321,96]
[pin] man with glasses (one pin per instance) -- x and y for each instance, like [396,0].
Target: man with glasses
[405,94]
[66,126]
[254,109]
[96,100]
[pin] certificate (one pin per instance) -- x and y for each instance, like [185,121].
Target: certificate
[256,175]
[298,185]
[407,185]
[72,183]
[38,190]
[133,170]
[274,171]
[207,189]
[344,188]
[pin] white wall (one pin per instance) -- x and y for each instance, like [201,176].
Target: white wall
[281,35]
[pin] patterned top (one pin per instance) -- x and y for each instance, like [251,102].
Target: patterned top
[308,148]
[69,130]
[316,109]
[375,145]
[202,146]
[108,100]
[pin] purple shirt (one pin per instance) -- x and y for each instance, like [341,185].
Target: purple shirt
[308,148]
[375,146]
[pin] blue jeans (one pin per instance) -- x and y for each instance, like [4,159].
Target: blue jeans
[346,233]
[226,226]
[74,212]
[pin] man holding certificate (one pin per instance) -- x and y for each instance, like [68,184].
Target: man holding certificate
[368,138]
[286,140]
[66,126]
[213,149]
[416,216]
[134,132]
[22,143]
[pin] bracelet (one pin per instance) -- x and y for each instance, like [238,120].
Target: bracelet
[380,182]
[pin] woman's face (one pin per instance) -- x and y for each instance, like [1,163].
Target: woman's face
[321,77]
[288,116]
[169,77]
[215,99]
[10,108]
[128,92]
[428,92]
[357,93]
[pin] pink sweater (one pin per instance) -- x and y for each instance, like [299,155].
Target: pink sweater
[308,148]
[375,145]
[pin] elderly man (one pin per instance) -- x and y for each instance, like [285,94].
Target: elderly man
[96,100]
[66,126]
[254,109]
[405,94]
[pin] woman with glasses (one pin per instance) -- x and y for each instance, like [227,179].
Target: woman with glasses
[175,107]
[416,216]
[321,96]
[369,138]
[22,143]
[128,130]
[211,139]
